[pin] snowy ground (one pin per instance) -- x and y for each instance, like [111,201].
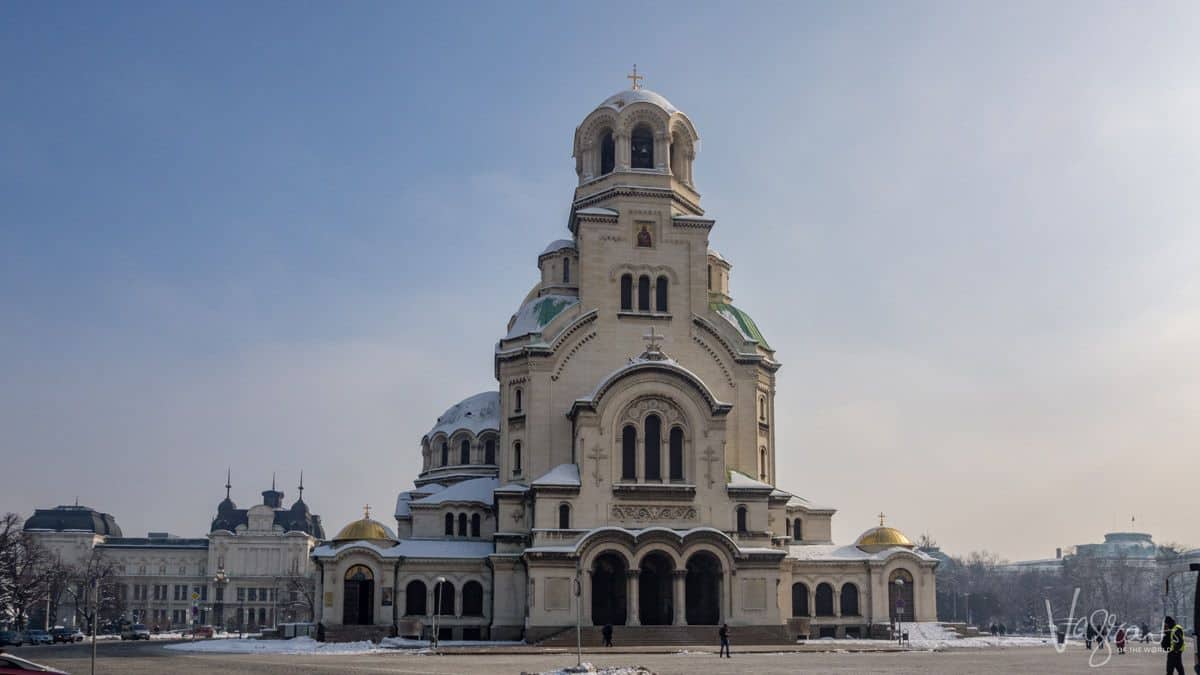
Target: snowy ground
[309,646]
[936,636]
[589,669]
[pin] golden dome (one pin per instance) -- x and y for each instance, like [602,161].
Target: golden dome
[365,529]
[883,537]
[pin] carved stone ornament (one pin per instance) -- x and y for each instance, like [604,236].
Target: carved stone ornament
[649,512]
[666,409]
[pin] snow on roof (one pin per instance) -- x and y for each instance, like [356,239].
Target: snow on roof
[477,490]
[739,480]
[557,245]
[741,321]
[513,488]
[475,414]
[661,360]
[711,252]
[535,315]
[801,502]
[630,96]
[597,211]
[843,553]
[563,475]
[414,548]
[403,503]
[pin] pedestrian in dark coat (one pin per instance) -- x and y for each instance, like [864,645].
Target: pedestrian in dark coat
[1089,636]
[607,632]
[724,633]
[1173,642]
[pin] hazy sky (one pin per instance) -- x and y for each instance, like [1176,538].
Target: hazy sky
[286,236]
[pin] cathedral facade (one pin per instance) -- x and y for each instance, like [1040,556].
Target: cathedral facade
[623,470]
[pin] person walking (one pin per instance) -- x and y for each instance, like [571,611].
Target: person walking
[1121,639]
[1089,635]
[1173,643]
[607,633]
[724,633]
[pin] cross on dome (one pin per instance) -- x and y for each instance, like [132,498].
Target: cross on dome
[637,84]
[366,512]
[881,518]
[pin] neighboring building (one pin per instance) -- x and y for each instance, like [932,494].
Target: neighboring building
[629,445]
[252,570]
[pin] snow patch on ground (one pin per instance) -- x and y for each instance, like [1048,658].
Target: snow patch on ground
[300,645]
[593,670]
[406,643]
[930,635]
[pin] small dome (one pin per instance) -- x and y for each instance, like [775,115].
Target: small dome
[476,414]
[883,537]
[625,97]
[365,529]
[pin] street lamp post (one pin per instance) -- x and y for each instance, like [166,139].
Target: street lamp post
[900,611]
[437,609]
[220,581]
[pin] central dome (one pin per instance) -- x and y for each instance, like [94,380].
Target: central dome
[625,97]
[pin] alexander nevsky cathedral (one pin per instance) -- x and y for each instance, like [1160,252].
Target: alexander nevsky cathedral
[623,468]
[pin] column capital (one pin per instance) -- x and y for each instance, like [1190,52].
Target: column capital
[679,574]
[632,574]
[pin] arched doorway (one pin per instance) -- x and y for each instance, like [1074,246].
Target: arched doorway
[608,590]
[901,603]
[702,590]
[358,596]
[655,606]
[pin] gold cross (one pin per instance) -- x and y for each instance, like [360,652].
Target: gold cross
[652,339]
[881,518]
[366,511]
[636,78]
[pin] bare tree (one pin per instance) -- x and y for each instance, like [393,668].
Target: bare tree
[28,571]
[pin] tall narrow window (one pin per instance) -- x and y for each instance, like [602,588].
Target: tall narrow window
[607,153]
[464,452]
[627,292]
[629,453]
[762,461]
[797,531]
[653,448]
[449,524]
[475,525]
[445,453]
[517,402]
[660,294]
[566,270]
[641,147]
[676,454]
[517,457]
[462,524]
[742,526]
[564,517]
[489,451]
[710,277]
[643,293]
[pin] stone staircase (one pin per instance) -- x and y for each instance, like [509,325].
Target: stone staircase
[662,636]
[356,633]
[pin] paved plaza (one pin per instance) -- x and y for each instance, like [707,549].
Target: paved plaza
[153,659]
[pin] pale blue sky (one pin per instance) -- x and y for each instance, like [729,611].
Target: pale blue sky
[250,235]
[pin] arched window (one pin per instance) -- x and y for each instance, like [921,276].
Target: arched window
[489,451]
[742,526]
[414,598]
[472,599]
[762,464]
[449,524]
[475,525]
[849,600]
[445,603]
[627,292]
[517,457]
[799,600]
[462,524]
[653,448]
[608,153]
[629,453]
[762,408]
[660,294]
[643,293]
[641,147]
[518,403]
[676,454]
[464,452]
[797,531]
[564,516]
[445,453]
[710,277]
[824,600]
[566,270]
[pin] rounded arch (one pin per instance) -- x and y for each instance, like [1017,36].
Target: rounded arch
[414,598]
[608,572]
[902,596]
[849,599]
[741,517]
[475,525]
[702,588]
[444,598]
[490,440]
[823,599]
[656,574]
[800,599]
[564,516]
[472,599]
[359,572]
[462,524]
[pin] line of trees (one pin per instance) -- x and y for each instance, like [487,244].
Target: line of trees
[35,583]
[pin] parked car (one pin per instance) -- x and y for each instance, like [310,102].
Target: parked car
[10,638]
[37,636]
[15,665]
[137,631]
[203,631]
[67,635]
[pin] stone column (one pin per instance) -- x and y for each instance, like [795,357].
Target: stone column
[837,603]
[631,599]
[660,150]
[680,577]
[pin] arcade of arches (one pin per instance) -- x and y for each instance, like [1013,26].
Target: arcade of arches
[661,594]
